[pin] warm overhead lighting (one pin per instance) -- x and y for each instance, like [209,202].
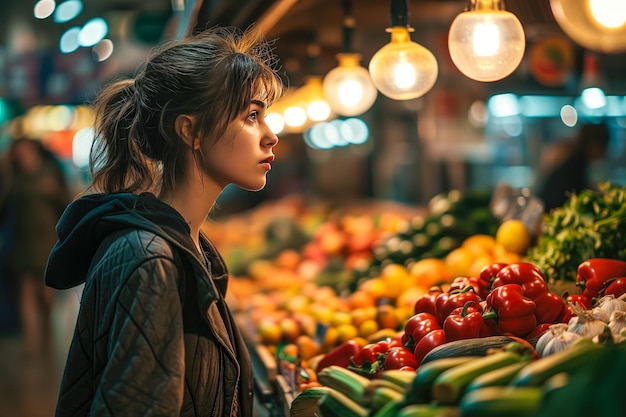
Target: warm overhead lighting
[598,25]
[348,87]
[402,69]
[486,42]
[313,100]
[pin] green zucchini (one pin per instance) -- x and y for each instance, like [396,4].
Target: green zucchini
[336,404]
[501,401]
[498,377]
[448,386]
[425,410]
[420,390]
[567,360]
[479,346]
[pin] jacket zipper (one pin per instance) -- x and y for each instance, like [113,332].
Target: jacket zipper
[219,383]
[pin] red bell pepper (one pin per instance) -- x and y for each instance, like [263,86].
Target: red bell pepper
[592,274]
[428,343]
[583,301]
[418,326]
[399,357]
[487,274]
[367,361]
[514,314]
[427,302]
[464,323]
[614,286]
[340,355]
[580,299]
[550,306]
[536,333]
[446,302]
[480,286]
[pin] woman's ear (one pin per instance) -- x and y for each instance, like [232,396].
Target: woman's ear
[185,129]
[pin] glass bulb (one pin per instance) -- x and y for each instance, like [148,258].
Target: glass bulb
[485,43]
[313,100]
[597,25]
[402,69]
[348,87]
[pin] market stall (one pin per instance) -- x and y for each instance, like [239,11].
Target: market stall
[368,313]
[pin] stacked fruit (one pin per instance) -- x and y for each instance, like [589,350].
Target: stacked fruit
[451,218]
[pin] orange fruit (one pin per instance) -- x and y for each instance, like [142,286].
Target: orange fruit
[307,346]
[346,332]
[331,337]
[341,317]
[361,314]
[361,299]
[368,327]
[410,296]
[513,236]
[386,317]
[478,264]
[396,279]
[458,261]
[269,332]
[430,271]
[288,259]
[374,287]
[479,244]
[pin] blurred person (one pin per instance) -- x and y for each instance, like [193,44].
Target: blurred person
[154,335]
[570,173]
[36,197]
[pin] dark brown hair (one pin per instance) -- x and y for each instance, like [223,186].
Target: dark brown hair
[213,74]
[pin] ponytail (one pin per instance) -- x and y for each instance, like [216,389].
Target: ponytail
[117,163]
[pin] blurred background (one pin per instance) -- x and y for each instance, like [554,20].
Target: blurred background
[461,132]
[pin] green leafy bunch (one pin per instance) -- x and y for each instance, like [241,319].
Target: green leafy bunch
[590,224]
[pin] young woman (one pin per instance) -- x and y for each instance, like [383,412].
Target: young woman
[154,336]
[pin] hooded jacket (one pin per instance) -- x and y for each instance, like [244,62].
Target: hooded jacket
[154,336]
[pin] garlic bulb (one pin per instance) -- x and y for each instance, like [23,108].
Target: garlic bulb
[610,304]
[585,323]
[559,342]
[553,331]
[617,322]
[599,313]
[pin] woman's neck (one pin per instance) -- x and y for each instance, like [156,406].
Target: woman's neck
[193,204]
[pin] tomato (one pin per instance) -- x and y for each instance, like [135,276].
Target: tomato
[399,357]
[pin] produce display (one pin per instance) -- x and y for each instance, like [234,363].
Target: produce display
[363,319]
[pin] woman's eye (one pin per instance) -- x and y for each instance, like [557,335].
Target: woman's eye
[253,116]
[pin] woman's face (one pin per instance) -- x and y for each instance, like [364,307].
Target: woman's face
[243,155]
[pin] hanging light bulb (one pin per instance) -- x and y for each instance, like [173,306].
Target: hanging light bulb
[313,100]
[402,69]
[486,42]
[598,25]
[348,87]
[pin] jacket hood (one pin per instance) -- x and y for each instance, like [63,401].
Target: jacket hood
[91,218]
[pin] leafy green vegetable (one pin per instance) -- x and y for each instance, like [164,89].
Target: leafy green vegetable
[590,224]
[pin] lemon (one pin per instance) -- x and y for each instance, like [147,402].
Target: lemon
[513,236]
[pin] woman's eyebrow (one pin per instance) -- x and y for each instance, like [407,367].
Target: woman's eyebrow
[258,103]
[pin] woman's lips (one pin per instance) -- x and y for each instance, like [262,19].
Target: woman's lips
[267,162]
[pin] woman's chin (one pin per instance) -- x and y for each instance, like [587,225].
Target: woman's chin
[253,186]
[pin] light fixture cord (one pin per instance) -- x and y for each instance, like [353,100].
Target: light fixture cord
[399,13]
[348,26]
